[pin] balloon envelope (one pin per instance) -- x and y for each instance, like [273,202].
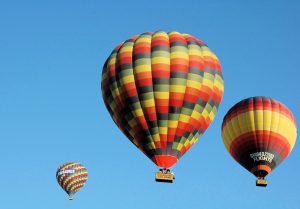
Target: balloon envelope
[162,90]
[259,133]
[71,177]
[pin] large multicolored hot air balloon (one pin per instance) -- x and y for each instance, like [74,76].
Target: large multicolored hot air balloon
[259,133]
[162,90]
[71,177]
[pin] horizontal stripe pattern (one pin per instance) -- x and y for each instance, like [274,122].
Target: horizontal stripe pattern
[259,125]
[162,90]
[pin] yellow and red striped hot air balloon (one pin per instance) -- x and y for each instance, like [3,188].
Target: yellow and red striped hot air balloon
[162,90]
[259,133]
[71,177]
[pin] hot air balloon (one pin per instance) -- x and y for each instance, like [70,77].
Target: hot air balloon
[163,91]
[259,133]
[71,177]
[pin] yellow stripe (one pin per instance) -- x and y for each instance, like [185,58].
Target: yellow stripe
[219,85]
[143,38]
[126,48]
[212,115]
[195,115]
[208,53]
[194,140]
[207,82]
[142,68]
[205,113]
[172,124]
[162,60]
[184,118]
[75,183]
[127,79]
[138,112]
[163,130]
[160,33]
[193,84]
[148,103]
[112,60]
[179,147]
[66,180]
[177,88]
[195,52]
[161,95]
[173,33]
[78,187]
[179,54]
[259,120]
[156,137]
[186,143]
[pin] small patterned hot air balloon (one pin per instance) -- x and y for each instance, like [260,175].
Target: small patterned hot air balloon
[71,177]
[163,91]
[259,133]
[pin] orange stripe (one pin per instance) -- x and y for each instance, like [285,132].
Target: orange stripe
[261,167]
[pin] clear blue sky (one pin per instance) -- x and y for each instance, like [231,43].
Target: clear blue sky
[51,109]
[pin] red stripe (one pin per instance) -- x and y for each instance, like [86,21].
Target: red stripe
[160,40]
[260,140]
[142,48]
[259,103]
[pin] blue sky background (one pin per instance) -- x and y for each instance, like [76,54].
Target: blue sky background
[52,112]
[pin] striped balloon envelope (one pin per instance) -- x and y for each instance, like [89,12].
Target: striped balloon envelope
[163,91]
[259,133]
[71,177]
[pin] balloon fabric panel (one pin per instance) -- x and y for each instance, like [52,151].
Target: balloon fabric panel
[162,90]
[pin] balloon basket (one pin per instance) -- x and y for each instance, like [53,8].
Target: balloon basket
[261,182]
[164,175]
